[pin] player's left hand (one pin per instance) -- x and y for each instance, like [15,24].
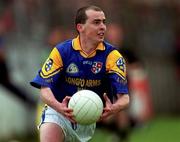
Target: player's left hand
[107,111]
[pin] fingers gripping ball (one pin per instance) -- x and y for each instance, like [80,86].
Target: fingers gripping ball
[87,107]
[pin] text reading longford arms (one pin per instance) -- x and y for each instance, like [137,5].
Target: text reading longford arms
[83,82]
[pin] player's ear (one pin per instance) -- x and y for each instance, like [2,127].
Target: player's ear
[79,27]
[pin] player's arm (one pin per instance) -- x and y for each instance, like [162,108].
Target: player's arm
[116,68]
[49,99]
[121,103]
[113,108]
[50,70]
[47,77]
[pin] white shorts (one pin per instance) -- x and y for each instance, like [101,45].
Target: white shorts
[73,133]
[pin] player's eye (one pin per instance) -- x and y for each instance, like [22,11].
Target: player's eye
[104,21]
[96,22]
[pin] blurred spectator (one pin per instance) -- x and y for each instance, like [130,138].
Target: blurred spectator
[58,34]
[55,36]
[140,110]
[115,34]
[6,25]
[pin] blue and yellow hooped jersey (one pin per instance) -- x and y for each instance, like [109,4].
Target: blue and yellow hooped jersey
[69,69]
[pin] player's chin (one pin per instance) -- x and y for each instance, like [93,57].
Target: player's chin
[100,39]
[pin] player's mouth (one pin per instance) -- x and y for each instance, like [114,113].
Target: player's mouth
[101,35]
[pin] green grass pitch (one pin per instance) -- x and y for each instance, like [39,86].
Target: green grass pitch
[162,129]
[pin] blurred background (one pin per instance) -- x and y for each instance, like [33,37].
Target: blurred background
[150,29]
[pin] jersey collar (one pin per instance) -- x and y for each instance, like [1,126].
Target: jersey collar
[76,45]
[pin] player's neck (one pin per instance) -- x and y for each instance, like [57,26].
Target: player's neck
[88,46]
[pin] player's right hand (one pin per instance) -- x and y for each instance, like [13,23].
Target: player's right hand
[67,112]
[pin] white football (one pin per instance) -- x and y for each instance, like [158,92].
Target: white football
[87,107]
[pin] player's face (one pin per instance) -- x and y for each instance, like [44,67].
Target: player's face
[94,27]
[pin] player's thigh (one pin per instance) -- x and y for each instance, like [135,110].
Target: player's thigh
[51,132]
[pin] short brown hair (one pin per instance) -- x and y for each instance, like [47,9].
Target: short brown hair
[81,16]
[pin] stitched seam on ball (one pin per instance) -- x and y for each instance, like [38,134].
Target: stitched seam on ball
[81,107]
[88,111]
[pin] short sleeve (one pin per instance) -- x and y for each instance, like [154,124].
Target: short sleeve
[49,72]
[116,70]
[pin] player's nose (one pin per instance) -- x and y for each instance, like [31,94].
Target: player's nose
[103,26]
